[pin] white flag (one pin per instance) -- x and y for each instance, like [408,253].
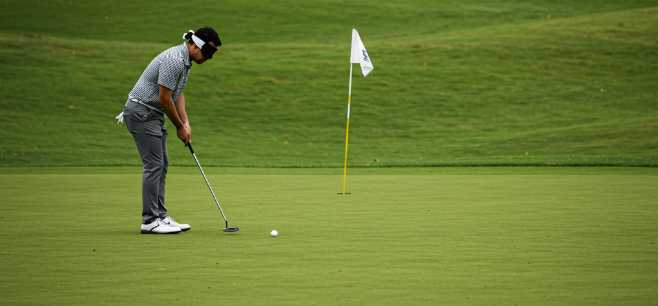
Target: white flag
[359,54]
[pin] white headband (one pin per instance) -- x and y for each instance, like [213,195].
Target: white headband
[198,41]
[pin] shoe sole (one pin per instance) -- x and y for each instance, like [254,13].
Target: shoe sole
[155,233]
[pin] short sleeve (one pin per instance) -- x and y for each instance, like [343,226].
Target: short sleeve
[170,72]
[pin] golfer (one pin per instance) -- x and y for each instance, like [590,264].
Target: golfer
[159,92]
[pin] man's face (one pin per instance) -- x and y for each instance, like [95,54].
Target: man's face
[196,55]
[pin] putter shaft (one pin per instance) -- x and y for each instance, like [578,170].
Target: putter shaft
[212,192]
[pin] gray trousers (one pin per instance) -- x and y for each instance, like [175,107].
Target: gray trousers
[147,128]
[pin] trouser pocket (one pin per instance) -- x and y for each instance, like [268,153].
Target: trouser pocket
[140,120]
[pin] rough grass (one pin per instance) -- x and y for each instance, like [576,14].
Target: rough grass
[468,83]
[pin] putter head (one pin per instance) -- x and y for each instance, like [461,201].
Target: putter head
[231,229]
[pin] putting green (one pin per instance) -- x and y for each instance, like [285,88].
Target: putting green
[494,236]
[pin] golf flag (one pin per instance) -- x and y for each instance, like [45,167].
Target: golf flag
[359,54]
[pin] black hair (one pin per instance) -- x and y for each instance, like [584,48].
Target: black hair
[207,34]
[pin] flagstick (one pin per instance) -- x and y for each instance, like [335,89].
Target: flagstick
[347,130]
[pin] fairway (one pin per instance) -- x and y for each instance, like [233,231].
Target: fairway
[467,82]
[429,236]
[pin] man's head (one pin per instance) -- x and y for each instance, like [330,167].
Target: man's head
[202,44]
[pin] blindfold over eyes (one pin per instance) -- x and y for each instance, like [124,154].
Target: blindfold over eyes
[206,49]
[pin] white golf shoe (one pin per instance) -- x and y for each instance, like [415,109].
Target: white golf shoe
[159,227]
[170,221]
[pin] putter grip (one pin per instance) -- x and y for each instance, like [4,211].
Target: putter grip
[189,146]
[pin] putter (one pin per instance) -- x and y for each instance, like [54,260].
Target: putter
[212,192]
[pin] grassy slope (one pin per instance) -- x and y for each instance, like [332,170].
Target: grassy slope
[542,236]
[540,82]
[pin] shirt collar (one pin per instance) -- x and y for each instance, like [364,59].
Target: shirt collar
[186,55]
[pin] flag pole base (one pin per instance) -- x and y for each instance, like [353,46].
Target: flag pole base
[344,193]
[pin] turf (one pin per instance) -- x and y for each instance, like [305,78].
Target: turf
[474,82]
[455,82]
[432,236]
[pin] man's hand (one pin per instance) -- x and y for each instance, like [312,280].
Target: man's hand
[185,133]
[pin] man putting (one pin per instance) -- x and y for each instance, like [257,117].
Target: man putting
[159,91]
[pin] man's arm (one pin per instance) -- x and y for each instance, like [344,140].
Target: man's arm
[182,113]
[167,103]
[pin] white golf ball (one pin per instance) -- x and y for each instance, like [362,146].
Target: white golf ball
[274,233]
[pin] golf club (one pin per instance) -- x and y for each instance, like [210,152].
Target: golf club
[212,192]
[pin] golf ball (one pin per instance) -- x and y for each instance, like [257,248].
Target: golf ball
[274,233]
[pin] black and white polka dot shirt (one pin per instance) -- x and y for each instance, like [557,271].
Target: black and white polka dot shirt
[169,69]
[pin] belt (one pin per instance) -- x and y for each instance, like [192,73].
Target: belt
[119,117]
[146,105]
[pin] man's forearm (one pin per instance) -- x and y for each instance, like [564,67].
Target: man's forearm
[168,104]
[180,107]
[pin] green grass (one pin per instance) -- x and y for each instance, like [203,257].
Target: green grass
[455,83]
[432,236]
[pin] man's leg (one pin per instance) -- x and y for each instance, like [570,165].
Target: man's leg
[162,210]
[150,150]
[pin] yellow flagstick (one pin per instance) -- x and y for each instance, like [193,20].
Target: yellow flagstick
[347,131]
[358,55]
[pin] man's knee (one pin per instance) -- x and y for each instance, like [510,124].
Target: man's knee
[154,168]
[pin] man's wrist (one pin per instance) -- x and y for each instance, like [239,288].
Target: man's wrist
[178,124]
